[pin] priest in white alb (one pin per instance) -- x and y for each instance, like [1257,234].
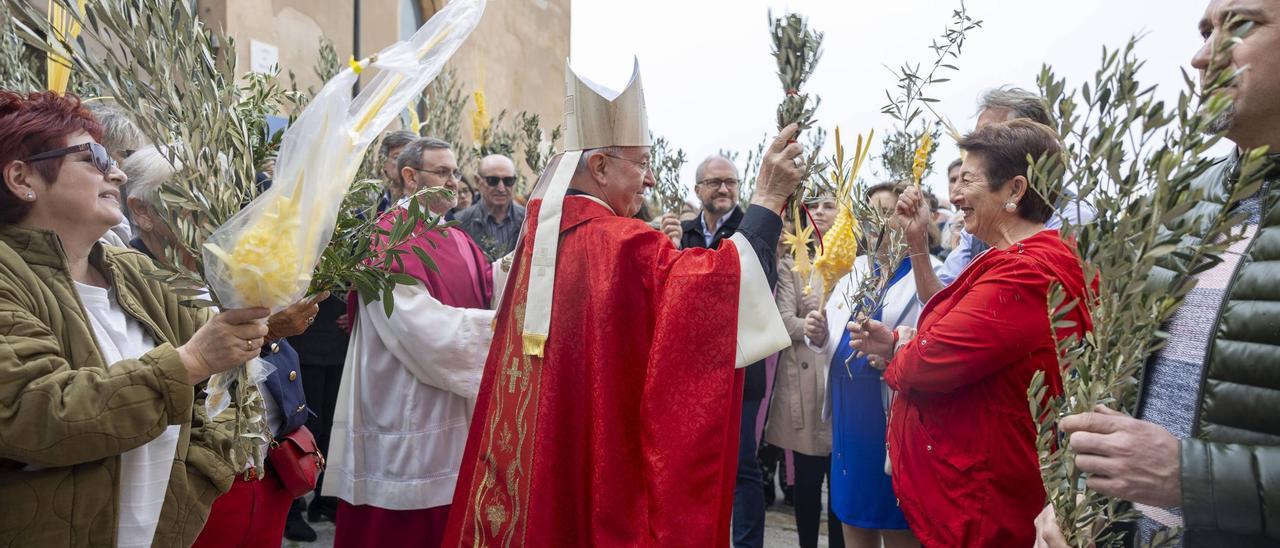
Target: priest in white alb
[608,414]
[410,380]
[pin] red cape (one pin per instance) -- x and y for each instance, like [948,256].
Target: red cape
[626,433]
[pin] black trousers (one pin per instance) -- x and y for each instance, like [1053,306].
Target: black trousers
[321,382]
[810,473]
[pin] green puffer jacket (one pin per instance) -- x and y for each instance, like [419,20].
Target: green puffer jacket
[1231,463]
[65,419]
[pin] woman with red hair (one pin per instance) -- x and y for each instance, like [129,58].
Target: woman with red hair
[103,435]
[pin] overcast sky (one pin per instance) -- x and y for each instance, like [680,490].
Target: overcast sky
[710,81]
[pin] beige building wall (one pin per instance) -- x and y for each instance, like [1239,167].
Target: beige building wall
[517,53]
[294,27]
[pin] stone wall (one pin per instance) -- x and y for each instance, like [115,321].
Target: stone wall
[517,53]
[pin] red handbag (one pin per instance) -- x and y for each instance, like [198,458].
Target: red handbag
[297,461]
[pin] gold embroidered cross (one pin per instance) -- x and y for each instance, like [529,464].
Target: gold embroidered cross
[513,374]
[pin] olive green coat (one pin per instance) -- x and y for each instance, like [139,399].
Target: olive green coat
[65,419]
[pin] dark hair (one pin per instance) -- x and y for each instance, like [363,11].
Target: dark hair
[395,139]
[35,123]
[411,155]
[954,164]
[1004,148]
[933,200]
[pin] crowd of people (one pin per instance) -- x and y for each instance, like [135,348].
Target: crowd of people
[688,373]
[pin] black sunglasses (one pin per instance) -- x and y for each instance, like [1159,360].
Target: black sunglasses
[493,180]
[101,160]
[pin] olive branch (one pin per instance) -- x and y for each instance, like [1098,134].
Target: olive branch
[1135,157]
[898,158]
[666,161]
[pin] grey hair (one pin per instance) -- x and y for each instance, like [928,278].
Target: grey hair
[147,169]
[396,139]
[120,135]
[702,167]
[587,154]
[411,154]
[1020,102]
[955,164]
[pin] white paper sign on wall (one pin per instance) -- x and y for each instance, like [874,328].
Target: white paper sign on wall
[263,57]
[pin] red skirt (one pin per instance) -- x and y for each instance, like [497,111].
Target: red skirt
[359,526]
[250,515]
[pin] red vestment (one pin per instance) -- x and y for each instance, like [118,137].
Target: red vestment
[626,433]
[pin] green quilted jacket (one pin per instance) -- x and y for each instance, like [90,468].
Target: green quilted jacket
[65,419]
[1231,463]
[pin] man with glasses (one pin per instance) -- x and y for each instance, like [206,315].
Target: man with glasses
[404,405]
[717,189]
[494,222]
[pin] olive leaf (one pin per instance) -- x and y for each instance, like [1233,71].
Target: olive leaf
[537,144]
[668,194]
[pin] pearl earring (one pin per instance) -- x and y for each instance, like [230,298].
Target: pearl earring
[1010,207]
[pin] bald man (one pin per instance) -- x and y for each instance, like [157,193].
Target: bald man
[494,222]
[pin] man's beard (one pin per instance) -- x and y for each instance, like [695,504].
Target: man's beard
[1222,122]
[718,210]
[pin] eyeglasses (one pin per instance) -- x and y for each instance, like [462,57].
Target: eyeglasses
[729,184]
[442,172]
[101,160]
[493,180]
[644,164]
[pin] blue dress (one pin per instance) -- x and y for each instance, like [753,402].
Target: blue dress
[861,493]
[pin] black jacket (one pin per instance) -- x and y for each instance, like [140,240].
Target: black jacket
[1230,466]
[323,343]
[692,229]
[753,387]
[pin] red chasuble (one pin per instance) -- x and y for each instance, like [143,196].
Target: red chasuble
[626,433]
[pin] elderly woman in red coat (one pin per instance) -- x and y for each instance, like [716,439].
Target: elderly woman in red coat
[961,437]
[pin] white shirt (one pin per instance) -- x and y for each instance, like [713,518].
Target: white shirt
[144,471]
[709,235]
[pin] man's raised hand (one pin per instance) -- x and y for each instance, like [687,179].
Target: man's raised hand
[781,171]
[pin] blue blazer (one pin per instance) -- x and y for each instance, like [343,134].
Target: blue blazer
[285,385]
